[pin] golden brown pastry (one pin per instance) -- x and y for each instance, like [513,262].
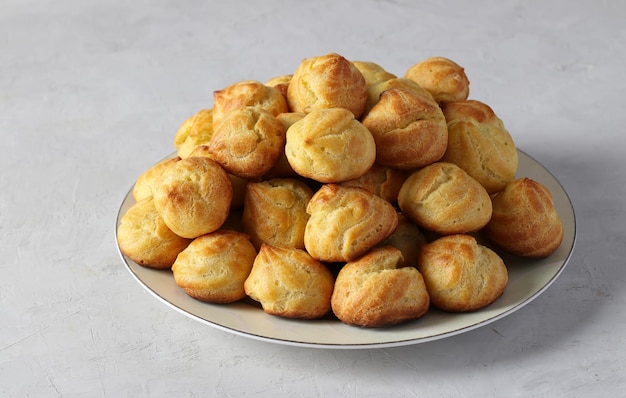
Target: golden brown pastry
[444,199]
[479,144]
[373,292]
[248,142]
[327,81]
[372,72]
[444,79]
[407,238]
[524,220]
[374,91]
[289,283]
[248,93]
[410,130]
[214,267]
[150,178]
[346,222]
[380,180]
[282,168]
[274,212]
[183,131]
[238,183]
[143,236]
[194,196]
[196,130]
[201,151]
[460,274]
[289,118]
[281,83]
[330,145]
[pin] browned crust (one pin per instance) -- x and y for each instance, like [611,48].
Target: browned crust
[443,198]
[346,222]
[460,274]
[372,292]
[288,282]
[410,131]
[524,220]
[327,81]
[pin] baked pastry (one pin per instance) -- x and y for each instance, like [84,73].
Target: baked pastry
[143,236]
[327,81]
[289,283]
[281,83]
[248,93]
[372,72]
[479,144]
[145,183]
[374,91]
[282,168]
[346,222]
[289,118]
[410,130]
[460,274]
[408,238]
[373,292]
[524,220]
[444,199]
[274,212]
[443,78]
[247,142]
[330,145]
[380,180]
[238,183]
[194,196]
[196,130]
[214,267]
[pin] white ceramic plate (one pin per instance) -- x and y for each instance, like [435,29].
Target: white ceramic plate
[527,280]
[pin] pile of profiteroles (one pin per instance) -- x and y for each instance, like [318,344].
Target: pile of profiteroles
[342,190]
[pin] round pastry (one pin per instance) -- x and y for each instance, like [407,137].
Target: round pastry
[479,144]
[524,220]
[327,81]
[143,236]
[281,83]
[374,91]
[380,180]
[274,212]
[238,183]
[196,130]
[346,222]
[330,145]
[372,72]
[444,199]
[407,238]
[194,196]
[214,267]
[373,292]
[247,142]
[409,130]
[289,283]
[460,274]
[248,93]
[442,78]
[151,178]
